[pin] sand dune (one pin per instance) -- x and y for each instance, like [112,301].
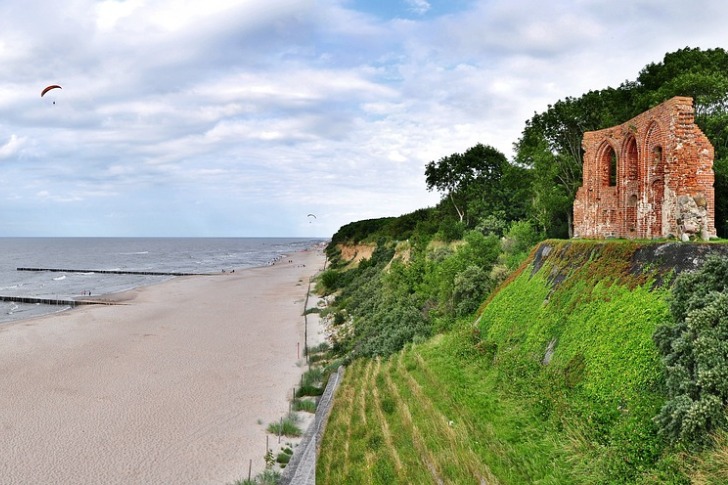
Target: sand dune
[174,386]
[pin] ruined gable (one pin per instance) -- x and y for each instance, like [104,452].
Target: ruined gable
[650,177]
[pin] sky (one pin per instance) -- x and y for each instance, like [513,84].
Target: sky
[239,118]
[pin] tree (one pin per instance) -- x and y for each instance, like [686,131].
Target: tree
[475,181]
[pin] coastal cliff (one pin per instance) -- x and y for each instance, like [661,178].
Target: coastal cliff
[556,379]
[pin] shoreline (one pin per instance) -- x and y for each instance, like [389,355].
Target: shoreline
[177,383]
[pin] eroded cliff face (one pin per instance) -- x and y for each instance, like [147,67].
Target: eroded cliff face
[354,253]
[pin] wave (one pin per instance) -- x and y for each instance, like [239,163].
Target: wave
[60,278]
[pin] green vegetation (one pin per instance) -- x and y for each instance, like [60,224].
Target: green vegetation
[283,458]
[267,477]
[287,426]
[306,405]
[695,353]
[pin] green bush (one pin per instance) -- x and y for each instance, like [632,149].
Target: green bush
[283,458]
[694,350]
[469,290]
[330,280]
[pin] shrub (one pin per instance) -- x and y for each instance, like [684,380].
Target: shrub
[283,458]
[268,477]
[315,375]
[388,405]
[330,280]
[469,289]
[694,351]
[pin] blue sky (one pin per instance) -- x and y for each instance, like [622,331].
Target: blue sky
[409,9]
[240,117]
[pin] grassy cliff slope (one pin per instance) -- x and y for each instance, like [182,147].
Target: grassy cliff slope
[556,382]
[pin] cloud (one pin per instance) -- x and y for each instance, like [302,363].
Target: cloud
[11,147]
[419,7]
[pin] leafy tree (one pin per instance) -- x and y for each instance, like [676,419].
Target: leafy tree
[478,181]
[700,74]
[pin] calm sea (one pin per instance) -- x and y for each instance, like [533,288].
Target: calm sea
[186,255]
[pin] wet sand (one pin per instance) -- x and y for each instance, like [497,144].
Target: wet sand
[175,385]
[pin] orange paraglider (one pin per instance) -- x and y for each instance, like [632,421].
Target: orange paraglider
[52,86]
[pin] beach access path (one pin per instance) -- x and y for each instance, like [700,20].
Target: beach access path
[175,385]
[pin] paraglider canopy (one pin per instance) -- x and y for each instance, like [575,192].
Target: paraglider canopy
[48,88]
[311,215]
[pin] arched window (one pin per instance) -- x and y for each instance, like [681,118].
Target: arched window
[632,163]
[609,166]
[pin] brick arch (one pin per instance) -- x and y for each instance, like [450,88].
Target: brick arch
[630,189]
[630,155]
[654,182]
[608,164]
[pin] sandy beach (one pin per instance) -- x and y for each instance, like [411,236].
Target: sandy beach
[175,385]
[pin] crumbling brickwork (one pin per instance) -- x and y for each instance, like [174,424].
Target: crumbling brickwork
[650,177]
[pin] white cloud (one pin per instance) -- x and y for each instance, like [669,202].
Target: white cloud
[419,7]
[11,147]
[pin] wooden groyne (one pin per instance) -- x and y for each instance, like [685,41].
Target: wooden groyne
[54,301]
[111,271]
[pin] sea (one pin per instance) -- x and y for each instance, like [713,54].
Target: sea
[88,256]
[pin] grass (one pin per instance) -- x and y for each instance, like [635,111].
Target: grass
[388,432]
[287,426]
[305,405]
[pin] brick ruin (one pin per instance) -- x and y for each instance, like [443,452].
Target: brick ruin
[650,177]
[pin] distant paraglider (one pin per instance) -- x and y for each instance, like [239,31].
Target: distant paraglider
[311,215]
[48,88]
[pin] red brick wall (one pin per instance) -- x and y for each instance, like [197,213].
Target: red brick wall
[661,155]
